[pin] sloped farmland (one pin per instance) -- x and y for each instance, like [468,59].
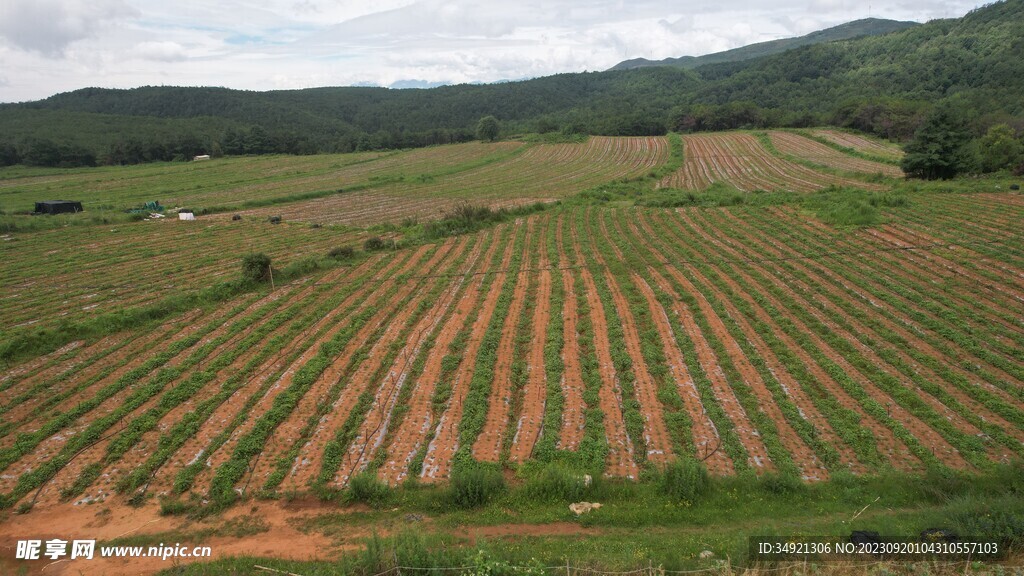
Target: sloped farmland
[611,339]
[739,160]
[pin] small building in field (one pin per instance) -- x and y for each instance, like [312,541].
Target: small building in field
[58,207]
[201,157]
[186,215]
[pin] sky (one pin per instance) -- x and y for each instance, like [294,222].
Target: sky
[53,46]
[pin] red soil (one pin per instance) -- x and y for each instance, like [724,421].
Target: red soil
[418,423]
[620,448]
[487,447]
[437,463]
[375,425]
[888,443]
[573,407]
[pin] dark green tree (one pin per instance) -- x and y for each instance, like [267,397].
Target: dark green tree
[999,149]
[938,147]
[488,128]
[255,267]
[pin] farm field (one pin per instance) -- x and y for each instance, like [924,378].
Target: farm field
[610,339]
[542,172]
[739,160]
[818,153]
[859,143]
[79,272]
[233,181]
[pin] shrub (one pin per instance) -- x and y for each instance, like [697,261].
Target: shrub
[365,487]
[555,482]
[342,252]
[781,483]
[475,486]
[373,244]
[684,479]
[255,267]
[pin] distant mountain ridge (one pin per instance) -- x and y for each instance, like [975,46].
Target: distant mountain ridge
[850,30]
[882,84]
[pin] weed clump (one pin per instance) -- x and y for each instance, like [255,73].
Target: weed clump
[373,244]
[366,488]
[255,267]
[684,479]
[475,486]
[342,252]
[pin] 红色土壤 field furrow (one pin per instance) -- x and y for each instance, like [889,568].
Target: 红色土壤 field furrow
[657,439]
[923,359]
[848,412]
[773,424]
[247,439]
[190,423]
[106,393]
[114,357]
[308,372]
[528,428]
[234,359]
[358,397]
[447,440]
[621,457]
[913,290]
[487,446]
[908,413]
[374,427]
[573,416]
[860,143]
[739,160]
[422,420]
[818,153]
[129,391]
[791,376]
[896,364]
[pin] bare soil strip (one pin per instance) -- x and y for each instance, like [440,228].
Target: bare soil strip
[376,421]
[487,447]
[438,460]
[620,448]
[571,433]
[51,446]
[535,391]
[95,454]
[898,453]
[405,303]
[418,423]
[205,447]
[784,282]
[299,348]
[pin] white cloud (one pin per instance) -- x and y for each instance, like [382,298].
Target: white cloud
[49,26]
[48,46]
[161,51]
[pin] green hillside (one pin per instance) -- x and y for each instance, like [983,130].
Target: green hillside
[885,85]
[855,29]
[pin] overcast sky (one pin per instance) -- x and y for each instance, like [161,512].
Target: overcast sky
[51,46]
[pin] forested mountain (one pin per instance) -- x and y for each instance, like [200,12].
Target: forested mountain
[881,84]
[855,29]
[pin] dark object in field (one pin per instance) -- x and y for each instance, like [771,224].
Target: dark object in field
[864,537]
[58,207]
[274,220]
[939,535]
[236,217]
[314,226]
[1014,186]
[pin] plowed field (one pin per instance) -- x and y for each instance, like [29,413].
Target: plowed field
[752,338]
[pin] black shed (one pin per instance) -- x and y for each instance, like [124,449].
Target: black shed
[58,207]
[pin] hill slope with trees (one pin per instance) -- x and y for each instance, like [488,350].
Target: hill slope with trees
[885,85]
